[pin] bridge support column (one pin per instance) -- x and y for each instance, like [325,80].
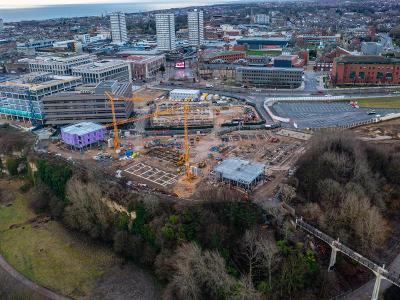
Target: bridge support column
[332,261]
[375,293]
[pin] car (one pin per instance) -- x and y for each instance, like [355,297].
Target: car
[371,112]
[209,85]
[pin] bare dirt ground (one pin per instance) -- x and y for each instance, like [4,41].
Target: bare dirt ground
[390,130]
[126,282]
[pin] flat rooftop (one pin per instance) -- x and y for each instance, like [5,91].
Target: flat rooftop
[261,39]
[184,91]
[99,65]
[240,170]
[58,57]
[271,69]
[38,81]
[82,128]
[366,59]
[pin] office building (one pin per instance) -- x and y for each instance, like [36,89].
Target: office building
[104,70]
[365,70]
[33,45]
[144,67]
[165,27]
[78,106]
[22,98]
[118,28]
[196,28]
[270,77]
[60,63]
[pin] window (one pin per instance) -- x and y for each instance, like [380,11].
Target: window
[361,75]
[379,75]
[352,75]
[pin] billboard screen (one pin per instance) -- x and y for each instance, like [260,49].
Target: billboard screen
[180,64]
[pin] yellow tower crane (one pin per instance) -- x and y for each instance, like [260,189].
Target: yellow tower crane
[157,113]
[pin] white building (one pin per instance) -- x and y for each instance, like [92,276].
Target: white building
[261,19]
[104,70]
[196,27]
[165,27]
[118,28]
[59,64]
[180,94]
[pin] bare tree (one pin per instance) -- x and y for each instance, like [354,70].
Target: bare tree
[268,250]
[250,250]
[364,220]
[288,192]
[246,290]
[198,274]
[184,282]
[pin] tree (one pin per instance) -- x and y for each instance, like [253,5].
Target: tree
[12,164]
[246,290]
[87,211]
[288,192]
[251,251]
[199,275]
[55,176]
[268,250]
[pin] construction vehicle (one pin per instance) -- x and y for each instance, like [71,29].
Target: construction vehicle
[201,164]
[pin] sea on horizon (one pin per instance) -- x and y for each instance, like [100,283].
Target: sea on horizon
[85,10]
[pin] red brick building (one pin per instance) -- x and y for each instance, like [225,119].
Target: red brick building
[226,56]
[365,70]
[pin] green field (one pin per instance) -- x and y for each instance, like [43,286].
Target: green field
[380,102]
[48,254]
[264,52]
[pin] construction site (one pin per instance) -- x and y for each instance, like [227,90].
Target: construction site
[177,146]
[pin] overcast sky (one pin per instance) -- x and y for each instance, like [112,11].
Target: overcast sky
[30,3]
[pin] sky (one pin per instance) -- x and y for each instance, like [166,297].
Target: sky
[32,3]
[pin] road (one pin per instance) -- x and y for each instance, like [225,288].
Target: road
[29,284]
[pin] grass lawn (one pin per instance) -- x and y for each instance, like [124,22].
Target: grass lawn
[380,102]
[264,53]
[47,253]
